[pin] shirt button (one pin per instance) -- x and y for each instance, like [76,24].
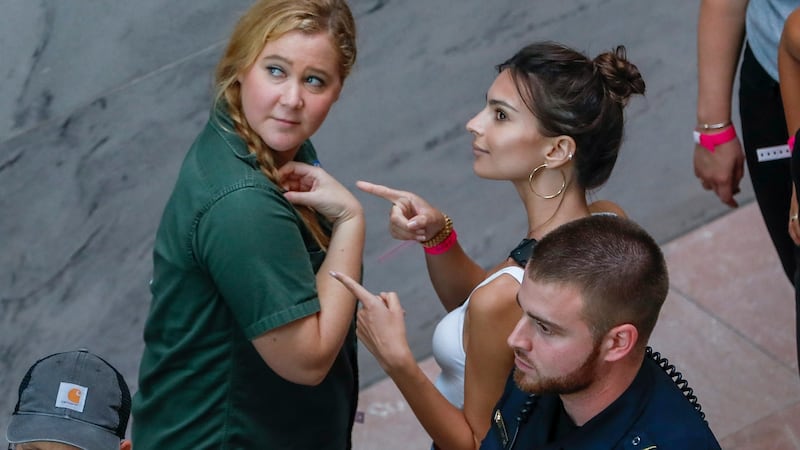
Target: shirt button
[636,440]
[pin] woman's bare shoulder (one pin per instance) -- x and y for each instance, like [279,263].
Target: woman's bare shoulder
[495,297]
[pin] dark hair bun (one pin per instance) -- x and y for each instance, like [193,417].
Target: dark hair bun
[622,78]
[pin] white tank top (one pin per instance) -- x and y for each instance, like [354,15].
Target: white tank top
[448,344]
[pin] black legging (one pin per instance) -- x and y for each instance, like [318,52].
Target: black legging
[764,125]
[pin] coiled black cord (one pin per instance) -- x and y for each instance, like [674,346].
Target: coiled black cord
[677,378]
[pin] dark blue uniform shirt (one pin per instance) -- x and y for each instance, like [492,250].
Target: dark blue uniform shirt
[651,414]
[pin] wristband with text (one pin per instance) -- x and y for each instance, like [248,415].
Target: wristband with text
[711,141]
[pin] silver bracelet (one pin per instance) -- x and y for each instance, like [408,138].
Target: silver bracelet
[713,126]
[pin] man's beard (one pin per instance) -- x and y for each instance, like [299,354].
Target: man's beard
[575,381]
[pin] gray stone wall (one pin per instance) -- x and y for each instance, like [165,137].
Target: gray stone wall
[100,100]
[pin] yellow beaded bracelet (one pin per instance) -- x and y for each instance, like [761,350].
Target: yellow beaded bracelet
[443,234]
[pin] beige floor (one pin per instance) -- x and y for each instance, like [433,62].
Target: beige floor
[728,325]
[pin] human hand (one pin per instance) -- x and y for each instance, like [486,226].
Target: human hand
[380,325]
[794,223]
[411,218]
[722,170]
[311,186]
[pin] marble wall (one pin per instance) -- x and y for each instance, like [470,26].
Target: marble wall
[100,100]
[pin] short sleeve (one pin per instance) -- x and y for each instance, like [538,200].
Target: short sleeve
[250,242]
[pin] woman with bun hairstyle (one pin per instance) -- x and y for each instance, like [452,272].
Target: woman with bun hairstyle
[552,126]
[249,343]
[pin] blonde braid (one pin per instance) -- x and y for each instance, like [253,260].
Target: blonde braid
[266,163]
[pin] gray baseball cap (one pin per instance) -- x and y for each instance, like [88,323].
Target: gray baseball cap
[75,398]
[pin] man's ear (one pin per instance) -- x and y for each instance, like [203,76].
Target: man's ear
[619,342]
[562,150]
[125,445]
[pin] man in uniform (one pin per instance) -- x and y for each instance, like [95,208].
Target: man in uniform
[584,377]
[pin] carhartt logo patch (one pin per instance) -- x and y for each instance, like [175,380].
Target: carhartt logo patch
[71,396]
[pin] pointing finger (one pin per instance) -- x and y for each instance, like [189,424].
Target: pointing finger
[362,294]
[381,191]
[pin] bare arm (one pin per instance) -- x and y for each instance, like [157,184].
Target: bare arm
[492,314]
[381,329]
[789,72]
[453,273]
[303,351]
[720,35]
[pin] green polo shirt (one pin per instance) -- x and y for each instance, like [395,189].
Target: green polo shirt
[233,260]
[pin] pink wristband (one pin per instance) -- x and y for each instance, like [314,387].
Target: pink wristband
[790,143]
[710,141]
[444,246]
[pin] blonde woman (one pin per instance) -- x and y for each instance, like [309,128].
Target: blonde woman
[246,346]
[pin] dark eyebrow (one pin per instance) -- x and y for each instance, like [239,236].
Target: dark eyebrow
[502,103]
[538,319]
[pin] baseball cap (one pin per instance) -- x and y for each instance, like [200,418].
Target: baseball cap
[74,398]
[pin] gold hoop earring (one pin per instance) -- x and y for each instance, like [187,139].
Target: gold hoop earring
[547,197]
